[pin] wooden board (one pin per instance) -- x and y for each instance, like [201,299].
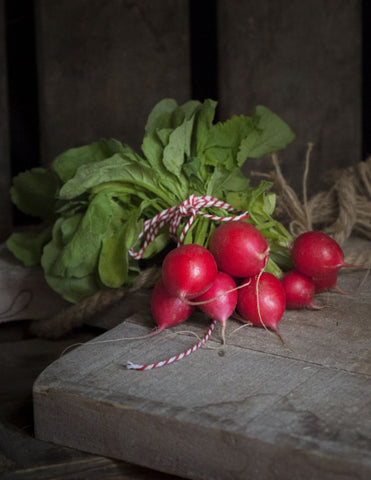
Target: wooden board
[262,410]
[22,456]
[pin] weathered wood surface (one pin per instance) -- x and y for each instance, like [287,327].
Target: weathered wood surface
[263,410]
[302,59]
[22,457]
[45,461]
[103,66]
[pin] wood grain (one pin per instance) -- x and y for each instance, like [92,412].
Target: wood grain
[43,461]
[262,409]
[22,456]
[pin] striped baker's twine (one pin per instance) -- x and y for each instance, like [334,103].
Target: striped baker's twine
[173,215]
[133,366]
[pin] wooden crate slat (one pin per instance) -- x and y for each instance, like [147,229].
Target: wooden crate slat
[5,210]
[103,66]
[302,59]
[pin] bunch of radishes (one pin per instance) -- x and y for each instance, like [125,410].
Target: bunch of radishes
[228,278]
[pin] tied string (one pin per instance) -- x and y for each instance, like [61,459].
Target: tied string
[162,363]
[173,215]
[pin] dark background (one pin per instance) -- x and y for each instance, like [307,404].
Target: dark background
[366,79]
[221,38]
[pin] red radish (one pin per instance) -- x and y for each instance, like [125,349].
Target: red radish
[316,254]
[239,249]
[188,271]
[168,310]
[223,304]
[263,301]
[299,289]
[327,282]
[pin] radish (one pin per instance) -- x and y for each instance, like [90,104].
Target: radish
[299,290]
[168,310]
[263,301]
[220,300]
[316,254]
[188,271]
[328,282]
[239,249]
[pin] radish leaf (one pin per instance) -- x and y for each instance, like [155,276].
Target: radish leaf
[34,192]
[270,133]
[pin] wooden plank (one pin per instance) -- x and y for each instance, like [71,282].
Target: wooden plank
[302,60]
[21,455]
[5,207]
[43,461]
[103,65]
[21,362]
[262,409]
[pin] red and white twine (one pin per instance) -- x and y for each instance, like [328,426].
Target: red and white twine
[173,215]
[133,366]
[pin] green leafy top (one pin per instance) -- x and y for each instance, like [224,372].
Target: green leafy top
[95,198]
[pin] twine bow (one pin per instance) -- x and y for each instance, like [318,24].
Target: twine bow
[173,215]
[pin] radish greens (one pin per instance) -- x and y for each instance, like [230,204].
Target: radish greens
[93,199]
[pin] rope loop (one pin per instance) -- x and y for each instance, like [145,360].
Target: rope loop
[191,207]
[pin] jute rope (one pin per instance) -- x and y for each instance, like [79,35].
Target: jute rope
[75,315]
[344,208]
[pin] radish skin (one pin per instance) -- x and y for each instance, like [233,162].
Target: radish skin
[330,282]
[168,310]
[239,249]
[263,301]
[316,254]
[327,282]
[188,271]
[222,305]
[299,290]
